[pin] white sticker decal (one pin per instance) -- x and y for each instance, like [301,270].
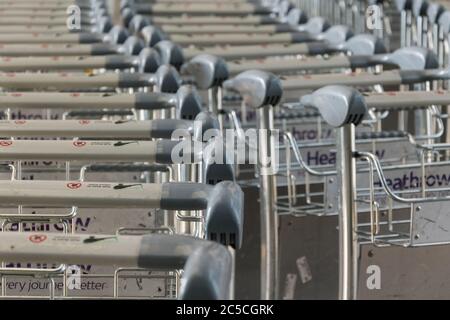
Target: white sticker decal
[304,269]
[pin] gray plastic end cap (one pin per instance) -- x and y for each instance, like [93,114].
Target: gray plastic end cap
[189,102]
[167,79]
[419,8]
[414,58]
[207,274]
[132,46]
[403,5]
[365,45]
[127,15]
[338,105]
[118,35]
[209,126]
[170,53]
[149,60]
[99,12]
[257,88]
[444,21]
[137,23]
[434,11]
[126,4]
[315,26]
[98,5]
[208,70]
[152,35]
[104,24]
[296,16]
[218,163]
[177,152]
[336,34]
[284,6]
[225,214]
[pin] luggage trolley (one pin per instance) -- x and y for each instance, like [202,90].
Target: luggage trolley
[411,231]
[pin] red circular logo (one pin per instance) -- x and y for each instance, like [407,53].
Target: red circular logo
[74,185]
[5,143]
[38,238]
[79,144]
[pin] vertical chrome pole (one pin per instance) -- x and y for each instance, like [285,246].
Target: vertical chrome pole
[215,103]
[346,171]
[269,217]
[403,29]
[115,14]
[409,29]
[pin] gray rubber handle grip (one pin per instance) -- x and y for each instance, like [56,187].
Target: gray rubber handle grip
[99,113]
[295,115]
[127,168]
[315,48]
[381,135]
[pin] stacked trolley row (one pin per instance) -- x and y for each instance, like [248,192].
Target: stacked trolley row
[388,187]
[361,133]
[113,191]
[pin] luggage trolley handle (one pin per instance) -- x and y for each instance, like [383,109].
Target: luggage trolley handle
[163,152]
[362,44]
[148,61]
[125,168]
[61,81]
[97,113]
[241,9]
[396,58]
[171,129]
[185,100]
[208,266]
[117,35]
[166,79]
[158,151]
[223,202]
[394,77]
[132,46]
